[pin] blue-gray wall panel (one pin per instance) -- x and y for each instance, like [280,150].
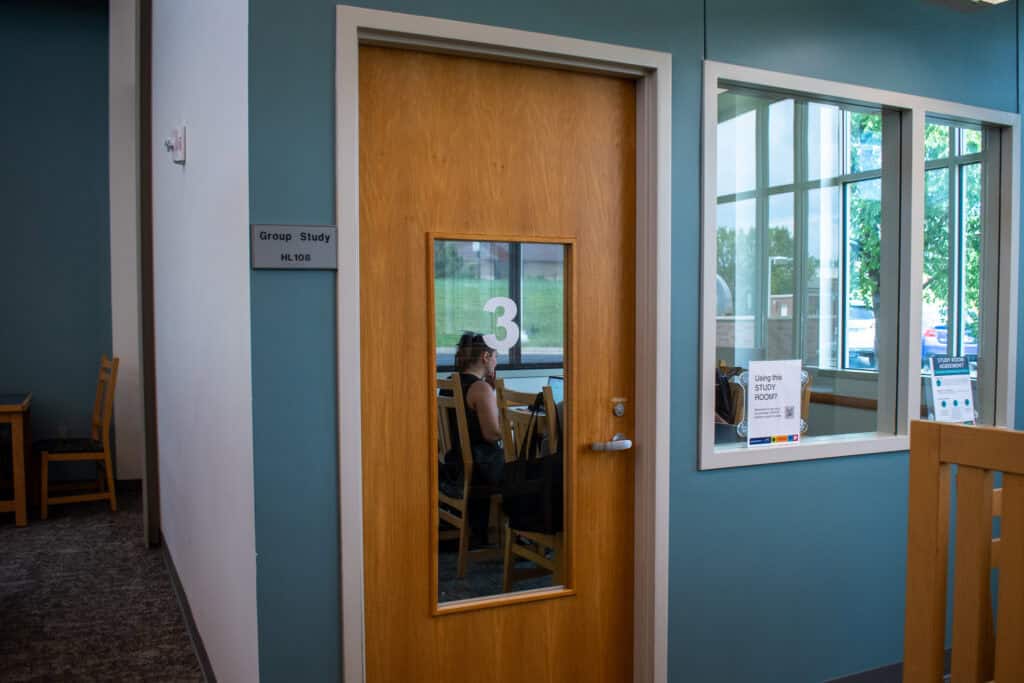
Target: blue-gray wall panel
[911,46]
[54,203]
[296,481]
[785,572]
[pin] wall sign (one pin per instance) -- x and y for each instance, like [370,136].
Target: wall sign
[952,398]
[773,402]
[290,247]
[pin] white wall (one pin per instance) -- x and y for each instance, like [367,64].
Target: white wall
[201,290]
[124,236]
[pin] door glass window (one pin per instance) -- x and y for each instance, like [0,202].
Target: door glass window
[500,396]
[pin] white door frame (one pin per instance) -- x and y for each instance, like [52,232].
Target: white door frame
[653,76]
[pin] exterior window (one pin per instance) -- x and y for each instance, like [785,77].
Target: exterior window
[951,274]
[799,211]
[818,251]
[469,274]
[953,266]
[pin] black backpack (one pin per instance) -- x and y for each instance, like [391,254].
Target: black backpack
[532,492]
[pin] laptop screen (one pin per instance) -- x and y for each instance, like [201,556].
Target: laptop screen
[557,384]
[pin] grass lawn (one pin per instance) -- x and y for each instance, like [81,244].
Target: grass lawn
[459,306]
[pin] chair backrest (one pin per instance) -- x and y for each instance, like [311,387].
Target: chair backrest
[739,401]
[554,424]
[516,424]
[103,405]
[447,406]
[982,651]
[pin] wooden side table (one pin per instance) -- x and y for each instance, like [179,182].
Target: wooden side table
[13,409]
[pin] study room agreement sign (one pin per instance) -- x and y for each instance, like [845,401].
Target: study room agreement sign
[773,403]
[952,398]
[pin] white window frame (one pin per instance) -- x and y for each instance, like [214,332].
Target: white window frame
[900,317]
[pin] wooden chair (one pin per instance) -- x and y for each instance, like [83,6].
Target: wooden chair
[982,651]
[454,509]
[95,448]
[518,428]
[511,419]
[739,401]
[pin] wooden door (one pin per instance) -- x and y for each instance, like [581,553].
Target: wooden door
[463,146]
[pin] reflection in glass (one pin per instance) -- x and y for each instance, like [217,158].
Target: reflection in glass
[864,134]
[466,276]
[781,260]
[935,270]
[541,308]
[936,141]
[864,236]
[970,141]
[780,148]
[499,449]
[823,273]
[824,132]
[970,201]
[737,148]
[798,246]
[953,242]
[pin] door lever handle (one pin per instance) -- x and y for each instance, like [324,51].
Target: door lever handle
[619,442]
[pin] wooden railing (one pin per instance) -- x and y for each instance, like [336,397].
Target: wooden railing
[831,399]
[982,651]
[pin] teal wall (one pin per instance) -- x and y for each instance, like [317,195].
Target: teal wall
[785,572]
[54,207]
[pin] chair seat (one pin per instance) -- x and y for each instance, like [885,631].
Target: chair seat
[454,490]
[69,445]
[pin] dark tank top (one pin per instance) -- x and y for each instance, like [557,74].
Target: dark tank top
[488,458]
[476,435]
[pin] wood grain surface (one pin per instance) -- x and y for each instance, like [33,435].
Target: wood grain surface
[458,146]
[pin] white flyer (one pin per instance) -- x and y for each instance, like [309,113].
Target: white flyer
[773,402]
[952,397]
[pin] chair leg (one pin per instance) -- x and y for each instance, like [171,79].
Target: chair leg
[463,541]
[506,574]
[494,521]
[110,482]
[559,573]
[45,488]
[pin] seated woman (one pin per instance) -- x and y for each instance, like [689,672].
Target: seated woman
[475,362]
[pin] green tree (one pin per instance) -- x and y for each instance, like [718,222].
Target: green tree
[865,222]
[780,251]
[738,253]
[448,263]
[865,242]
[972,247]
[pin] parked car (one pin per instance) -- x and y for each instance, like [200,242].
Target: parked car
[860,338]
[934,340]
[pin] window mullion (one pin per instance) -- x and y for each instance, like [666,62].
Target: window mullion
[844,270]
[990,323]
[515,292]
[953,286]
[763,282]
[888,339]
[800,227]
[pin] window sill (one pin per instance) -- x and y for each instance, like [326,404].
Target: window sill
[811,448]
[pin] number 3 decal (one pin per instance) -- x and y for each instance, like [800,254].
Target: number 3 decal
[506,321]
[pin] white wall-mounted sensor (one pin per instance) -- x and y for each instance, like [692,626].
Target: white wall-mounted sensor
[175,144]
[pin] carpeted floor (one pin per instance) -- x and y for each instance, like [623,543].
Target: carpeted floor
[82,599]
[482,579]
